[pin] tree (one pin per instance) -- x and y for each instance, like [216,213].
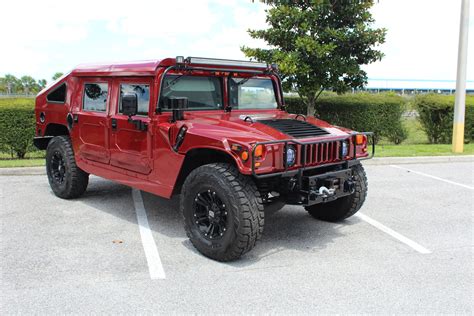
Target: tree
[319,44]
[29,84]
[12,83]
[3,85]
[57,76]
[42,83]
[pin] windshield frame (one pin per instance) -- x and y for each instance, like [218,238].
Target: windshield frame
[180,69]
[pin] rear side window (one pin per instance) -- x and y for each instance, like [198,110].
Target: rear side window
[95,97]
[58,95]
[143,96]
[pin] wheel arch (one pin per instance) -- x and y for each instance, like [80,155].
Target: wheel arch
[197,157]
[52,130]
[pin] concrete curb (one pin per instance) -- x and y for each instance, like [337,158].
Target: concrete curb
[417,160]
[23,171]
[34,171]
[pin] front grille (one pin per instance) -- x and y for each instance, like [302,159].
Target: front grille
[295,128]
[321,153]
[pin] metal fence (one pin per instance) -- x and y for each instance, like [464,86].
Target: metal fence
[6,96]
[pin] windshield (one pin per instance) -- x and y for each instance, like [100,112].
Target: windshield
[252,93]
[203,93]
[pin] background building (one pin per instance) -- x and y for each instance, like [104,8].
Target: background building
[412,86]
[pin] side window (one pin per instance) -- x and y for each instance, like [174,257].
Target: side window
[143,96]
[95,97]
[58,95]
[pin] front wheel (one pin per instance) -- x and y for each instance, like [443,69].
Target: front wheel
[346,206]
[66,179]
[223,211]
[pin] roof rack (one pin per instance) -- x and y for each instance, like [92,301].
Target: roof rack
[200,61]
[225,62]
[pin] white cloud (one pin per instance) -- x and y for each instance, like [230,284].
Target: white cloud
[422,39]
[92,30]
[42,37]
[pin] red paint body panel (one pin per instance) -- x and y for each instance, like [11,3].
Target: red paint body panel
[145,159]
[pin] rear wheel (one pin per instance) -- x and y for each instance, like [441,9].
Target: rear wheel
[65,178]
[222,210]
[346,206]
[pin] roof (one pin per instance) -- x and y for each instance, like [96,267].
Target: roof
[135,68]
[149,67]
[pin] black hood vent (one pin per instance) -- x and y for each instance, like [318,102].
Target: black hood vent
[295,128]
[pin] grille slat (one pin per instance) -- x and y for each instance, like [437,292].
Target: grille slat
[321,153]
[295,128]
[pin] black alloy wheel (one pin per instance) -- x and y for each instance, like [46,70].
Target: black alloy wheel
[58,167]
[210,214]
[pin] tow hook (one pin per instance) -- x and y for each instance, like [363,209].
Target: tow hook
[322,192]
[325,192]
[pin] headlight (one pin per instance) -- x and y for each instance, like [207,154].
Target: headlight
[344,149]
[290,156]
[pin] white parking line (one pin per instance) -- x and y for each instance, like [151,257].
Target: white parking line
[151,251]
[433,177]
[394,234]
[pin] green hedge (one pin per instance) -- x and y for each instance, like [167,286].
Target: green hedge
[378,113]
[436,116]
[295,105]
[17,126]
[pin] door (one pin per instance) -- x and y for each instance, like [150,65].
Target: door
[91,120]
[130,138]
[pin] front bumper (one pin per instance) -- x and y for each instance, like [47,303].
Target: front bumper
[325,187]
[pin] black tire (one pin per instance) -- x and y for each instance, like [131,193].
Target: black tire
[346,206]
[238,218]
[65,178]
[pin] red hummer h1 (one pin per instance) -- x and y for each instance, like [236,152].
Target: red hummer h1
[213,130]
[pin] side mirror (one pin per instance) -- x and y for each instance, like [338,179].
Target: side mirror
[129,104]
[177,103]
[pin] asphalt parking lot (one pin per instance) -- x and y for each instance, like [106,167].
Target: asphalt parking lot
[410,251]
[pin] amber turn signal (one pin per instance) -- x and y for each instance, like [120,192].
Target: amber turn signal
[244,155]
[360,139]
[259,151]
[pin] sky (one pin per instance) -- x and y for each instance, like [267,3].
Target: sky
[40,38]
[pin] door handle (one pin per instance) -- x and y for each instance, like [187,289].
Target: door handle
[114,123]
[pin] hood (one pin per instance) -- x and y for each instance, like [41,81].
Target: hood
[263,125]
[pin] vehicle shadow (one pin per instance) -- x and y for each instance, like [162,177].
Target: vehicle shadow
[291,228]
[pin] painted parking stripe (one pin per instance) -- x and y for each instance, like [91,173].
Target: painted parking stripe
[393,233]
[434,177]
[151,251]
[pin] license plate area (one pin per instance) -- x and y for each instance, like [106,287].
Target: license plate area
[328,186]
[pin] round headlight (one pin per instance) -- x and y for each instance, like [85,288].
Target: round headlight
[344,149]
[290,156]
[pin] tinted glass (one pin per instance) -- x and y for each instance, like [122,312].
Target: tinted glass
[252,93]
[203,93]
[143,96]
[95,96]
[58,95]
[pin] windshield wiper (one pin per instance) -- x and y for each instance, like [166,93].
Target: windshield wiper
[173,82]
[241,82]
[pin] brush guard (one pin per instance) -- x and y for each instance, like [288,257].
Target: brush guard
[303,165]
